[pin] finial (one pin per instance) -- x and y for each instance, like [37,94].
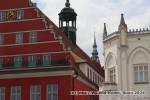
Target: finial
[105,31]
[122,22]
[67,3]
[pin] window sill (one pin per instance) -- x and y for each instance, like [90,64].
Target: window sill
[141,82]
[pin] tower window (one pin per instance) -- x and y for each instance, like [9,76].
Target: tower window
[15,93]
[19,38]
[35,92]
[18,61]
[52,92]
[20,14]
[141,73]
[46,59]
[32,60]
[1,39]
[2,93]
[112,75]
[33,37]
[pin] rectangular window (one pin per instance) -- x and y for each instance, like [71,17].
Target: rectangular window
[93,77]
[18,61]
[33,37]
[1,62]
[1,39]
[46,59]
[32,60]
[15,93]
[52,92]
[20,14]
[19,38]
[112,75]
[141,73]
[88,72]
[35,92]
[1,16]
[2,93]
[90,75]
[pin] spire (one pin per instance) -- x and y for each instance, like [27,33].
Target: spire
[95,45]
[105,31]
[67,3]
[95,52]
[122,22]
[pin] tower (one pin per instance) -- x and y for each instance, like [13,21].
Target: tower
[95,52]
[67,22]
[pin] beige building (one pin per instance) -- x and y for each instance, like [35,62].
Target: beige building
[127,60]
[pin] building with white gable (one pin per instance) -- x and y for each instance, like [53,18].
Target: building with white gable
[127,61]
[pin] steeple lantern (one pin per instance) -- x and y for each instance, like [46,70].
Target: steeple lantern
[67,21]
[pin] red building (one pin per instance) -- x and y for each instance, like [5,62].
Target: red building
[40,61]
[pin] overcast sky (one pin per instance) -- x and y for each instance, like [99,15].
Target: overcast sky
[93,13]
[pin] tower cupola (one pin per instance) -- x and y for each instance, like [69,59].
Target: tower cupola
[67,22]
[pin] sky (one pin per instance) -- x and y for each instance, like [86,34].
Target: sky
[93,13]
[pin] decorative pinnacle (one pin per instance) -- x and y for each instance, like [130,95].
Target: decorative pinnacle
[122,19]
[67,3]
[122,23]
[105,31]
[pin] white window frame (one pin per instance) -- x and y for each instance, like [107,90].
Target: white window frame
[46,59]
[18,59]
[1,39]
[112,74]
[19,38]
[32,37]
[139,75]
[52,89]
[20,14]
[35,92]
[32,60]
[15,93]
[2,93]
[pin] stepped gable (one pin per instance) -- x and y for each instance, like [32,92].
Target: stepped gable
[76,50]
[60,47]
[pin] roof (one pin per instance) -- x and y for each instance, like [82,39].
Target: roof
[78,54]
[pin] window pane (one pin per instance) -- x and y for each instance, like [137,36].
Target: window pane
[112,73]
[35,92]
[1,39]
[20,14]
[16,93]
[52,92]
[145,67]
[46,59]
[33,37]
[141,73]
[1,63]
[19,38]
[32,60]
[2,93]
[18,61]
